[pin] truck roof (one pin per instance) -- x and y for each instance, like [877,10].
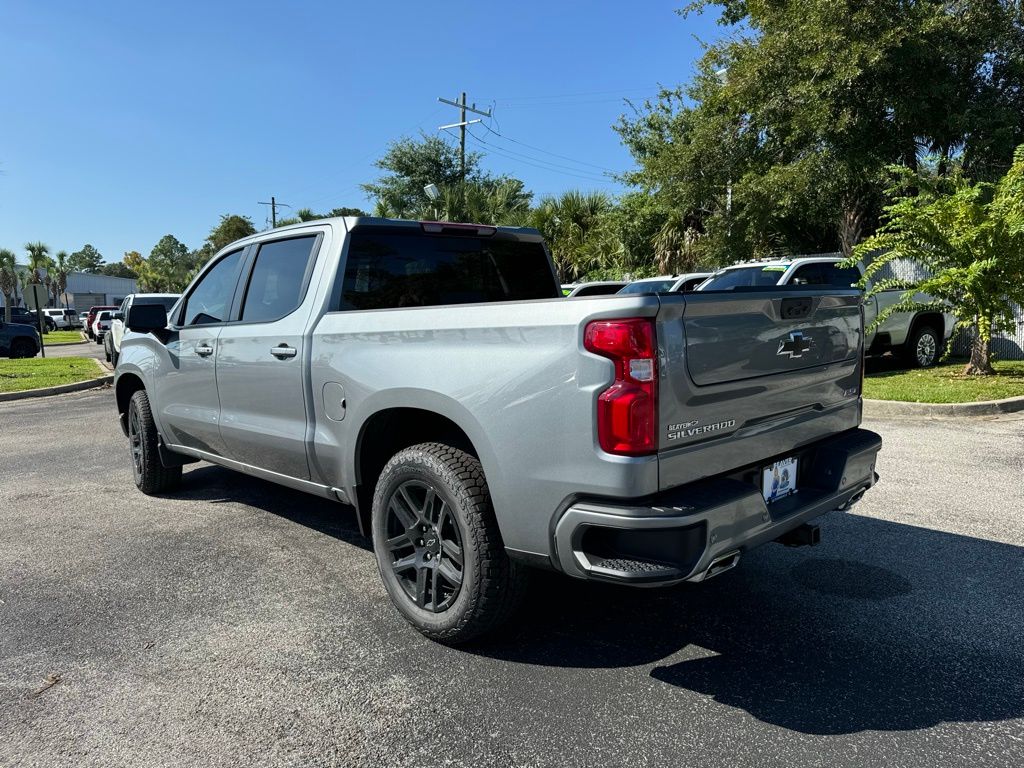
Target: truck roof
[350,222]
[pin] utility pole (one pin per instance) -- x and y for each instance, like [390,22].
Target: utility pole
[273,209]
[461,125]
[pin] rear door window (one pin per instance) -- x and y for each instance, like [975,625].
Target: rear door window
[278,279]
[412,269]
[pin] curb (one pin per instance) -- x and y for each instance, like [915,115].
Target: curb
[61,389]
[940,410]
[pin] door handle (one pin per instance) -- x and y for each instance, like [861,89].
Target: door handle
[283,352]
[204,350]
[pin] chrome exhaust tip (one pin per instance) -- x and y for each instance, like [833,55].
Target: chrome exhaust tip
[720,564]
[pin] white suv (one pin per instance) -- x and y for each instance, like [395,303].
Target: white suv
[919,337]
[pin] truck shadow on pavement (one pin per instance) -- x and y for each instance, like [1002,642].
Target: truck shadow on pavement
[884,626]
[820,641]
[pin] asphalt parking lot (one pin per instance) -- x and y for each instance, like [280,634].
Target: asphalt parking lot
[241,624]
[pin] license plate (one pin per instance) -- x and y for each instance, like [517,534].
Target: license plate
[779,480]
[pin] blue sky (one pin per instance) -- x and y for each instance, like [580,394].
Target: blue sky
[123,122]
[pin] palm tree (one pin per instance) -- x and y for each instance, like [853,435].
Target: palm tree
[60,275]
[38,254]
[968,238]
[8,280]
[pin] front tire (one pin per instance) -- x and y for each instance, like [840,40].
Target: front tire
[151,476]
[438,547]
[924,347]
[106,351]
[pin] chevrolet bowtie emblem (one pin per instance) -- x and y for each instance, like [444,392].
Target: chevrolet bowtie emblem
[795,345]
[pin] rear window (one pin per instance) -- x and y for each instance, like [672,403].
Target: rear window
[398,269]
[745,277]
[649,286]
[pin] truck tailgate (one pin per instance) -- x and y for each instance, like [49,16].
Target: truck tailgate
[749,376]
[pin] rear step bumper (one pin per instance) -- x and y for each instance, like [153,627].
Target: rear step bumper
[699,530]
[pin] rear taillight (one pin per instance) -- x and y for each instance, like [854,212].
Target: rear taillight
[627,410]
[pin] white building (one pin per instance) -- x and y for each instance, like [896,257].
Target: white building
[86,290]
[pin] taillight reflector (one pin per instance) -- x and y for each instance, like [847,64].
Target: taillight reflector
[627,410]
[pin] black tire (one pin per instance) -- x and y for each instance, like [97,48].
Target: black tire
[923,348]
[452,519]
[21,348]
[151,476]
[114,356]
[106,351]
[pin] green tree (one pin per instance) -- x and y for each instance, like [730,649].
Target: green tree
[117,269]
[231,227]
[8,280]
[169,265]
[968,237]
[86,259]
[61,270]
[581,233]
[410,165]
[781,140]
[38,256]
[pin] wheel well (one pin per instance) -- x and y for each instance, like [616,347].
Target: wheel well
[127,385]
[385,434]
[934,319]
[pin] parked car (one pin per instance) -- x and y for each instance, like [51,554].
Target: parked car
[25,316]
[90,318]
[101,324]
[919,337]
[667,283]
[600,288]
[63,318]
[112,341]
[433,376]
[17,339]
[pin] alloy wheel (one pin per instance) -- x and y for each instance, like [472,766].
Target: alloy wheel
[425,544]
[926,349]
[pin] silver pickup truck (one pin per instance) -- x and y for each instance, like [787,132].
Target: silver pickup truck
[432,377]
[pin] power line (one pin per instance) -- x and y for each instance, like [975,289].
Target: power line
[572,95]
[547,163]
[462,125]
[501,153]
[544,151]
[273,210]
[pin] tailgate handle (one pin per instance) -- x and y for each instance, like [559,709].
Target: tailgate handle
[794,309]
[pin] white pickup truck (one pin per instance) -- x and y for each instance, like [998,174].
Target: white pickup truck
[919,337]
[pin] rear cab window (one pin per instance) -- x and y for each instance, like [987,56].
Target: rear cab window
[745,277]
[393,268]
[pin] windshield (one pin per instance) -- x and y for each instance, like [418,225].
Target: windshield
[744,277]
[649,286]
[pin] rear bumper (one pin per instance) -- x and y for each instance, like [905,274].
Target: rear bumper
[688,532]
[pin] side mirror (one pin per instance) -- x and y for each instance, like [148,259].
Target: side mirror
[118,316]
[146,318]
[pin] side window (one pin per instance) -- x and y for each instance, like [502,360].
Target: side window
[210,300]
[275,286]
[841,277]
[808,274]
